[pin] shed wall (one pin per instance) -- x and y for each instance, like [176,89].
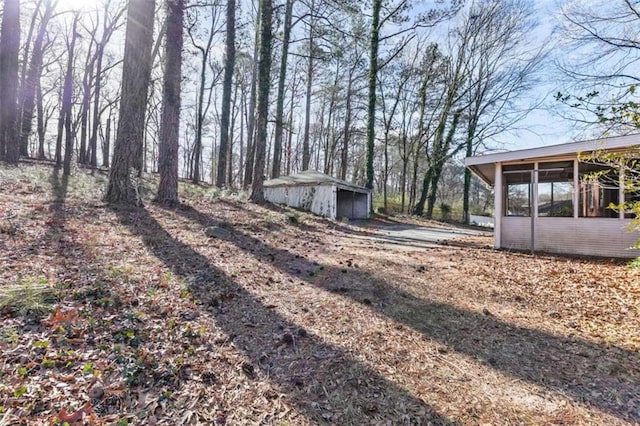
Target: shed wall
[584,236]
[318,199]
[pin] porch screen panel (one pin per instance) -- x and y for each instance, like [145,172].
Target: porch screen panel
[517,184]
[555,189]
[599,190]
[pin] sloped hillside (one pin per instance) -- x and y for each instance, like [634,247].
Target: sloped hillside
[224,312]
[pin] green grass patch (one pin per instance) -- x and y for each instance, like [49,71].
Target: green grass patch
[27,298]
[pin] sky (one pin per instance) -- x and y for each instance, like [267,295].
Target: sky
[545,125]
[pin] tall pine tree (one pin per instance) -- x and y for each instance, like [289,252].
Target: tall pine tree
[9,47]
[170,125]
[136,73]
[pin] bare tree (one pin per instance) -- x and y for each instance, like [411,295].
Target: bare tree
[395,11]
[204,50]
[502,68]
[598,53]
[170,124]
[251,116]
[67,94]
[87,85]
[127,162]
[306,155]
[32,78]
[264,84]
[277,142]
[9,48]
[226,94]
[111,23]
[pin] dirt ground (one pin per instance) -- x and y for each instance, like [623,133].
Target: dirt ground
[220,311]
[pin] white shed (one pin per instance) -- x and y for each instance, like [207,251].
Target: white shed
[543,202]
[321,194]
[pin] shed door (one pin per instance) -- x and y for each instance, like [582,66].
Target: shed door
[351,204]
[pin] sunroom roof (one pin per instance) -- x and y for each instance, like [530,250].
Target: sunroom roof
[483,166]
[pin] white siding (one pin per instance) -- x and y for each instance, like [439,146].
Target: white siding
[583,236]
[319,199]
[515,233]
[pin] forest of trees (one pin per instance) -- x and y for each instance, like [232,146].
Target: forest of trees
[389,94]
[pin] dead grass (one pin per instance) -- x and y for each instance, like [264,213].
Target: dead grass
[224,312]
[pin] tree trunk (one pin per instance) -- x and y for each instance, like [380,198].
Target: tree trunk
[9,50]
[136,73]
[170,124]
[403,183]
[264,82]
[251,117]
[32,81]
[290,132]
[84,116]
[93,142]
[440,158]
[106,148]
[422,95]
[467,174]
[200,117]
[67,96]
[107,31]
[226,94]
[41,120]
[346,133]
[241,110]
[277,143]
[419,208]
[373,71]
[193,165]
[306,153]
[25,67]
[232,126]
[58,155]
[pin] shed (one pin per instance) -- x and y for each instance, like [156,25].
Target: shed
[321,194]
[544,203]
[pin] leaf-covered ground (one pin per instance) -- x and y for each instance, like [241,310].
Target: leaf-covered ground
[223,312]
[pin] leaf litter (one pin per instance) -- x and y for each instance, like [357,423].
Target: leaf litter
[223,312]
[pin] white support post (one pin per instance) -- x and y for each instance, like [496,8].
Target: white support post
[533,205]
[621,193]
[498,190]
[534,191]
[576,189]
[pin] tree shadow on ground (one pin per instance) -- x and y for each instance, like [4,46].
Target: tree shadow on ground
[55,231]
[326,384]
[293,215]
[59,188]
[80,285]
[602,376]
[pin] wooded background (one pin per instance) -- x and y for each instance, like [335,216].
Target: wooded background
[388,94]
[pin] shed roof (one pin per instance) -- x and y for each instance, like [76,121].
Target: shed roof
[484,165]
[312,178]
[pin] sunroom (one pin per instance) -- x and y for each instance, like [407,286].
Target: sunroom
[551,199]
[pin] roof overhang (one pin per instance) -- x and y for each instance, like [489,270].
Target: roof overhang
[313,178]
[484,166]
